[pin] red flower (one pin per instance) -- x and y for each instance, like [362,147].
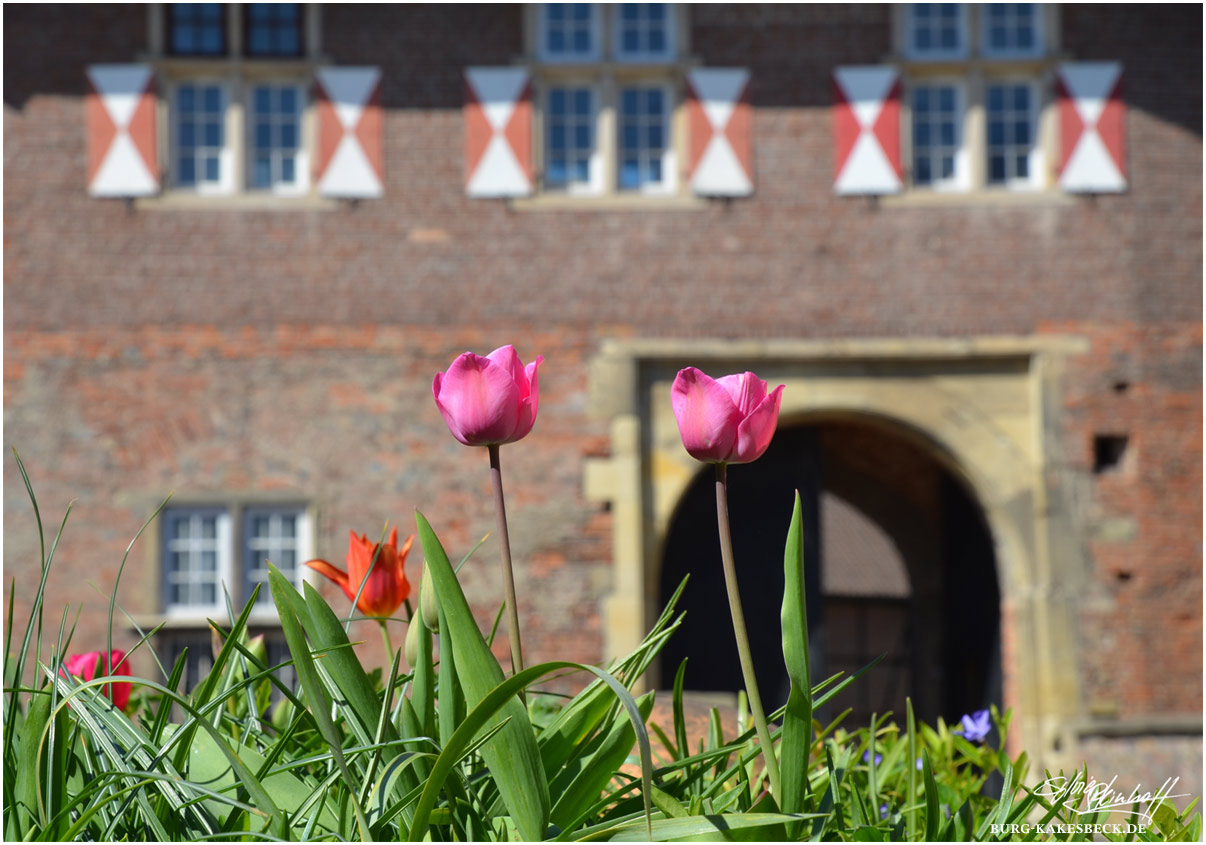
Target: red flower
[386,587]
[85,666]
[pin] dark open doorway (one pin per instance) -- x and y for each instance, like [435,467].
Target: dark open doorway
[899,561]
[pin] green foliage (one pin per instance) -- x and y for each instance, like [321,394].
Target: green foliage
[450,751]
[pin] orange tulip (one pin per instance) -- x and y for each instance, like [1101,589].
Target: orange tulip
[386,587]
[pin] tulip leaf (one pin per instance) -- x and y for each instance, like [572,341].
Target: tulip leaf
[327,635]
[796,744]
[512,755]
[669,830]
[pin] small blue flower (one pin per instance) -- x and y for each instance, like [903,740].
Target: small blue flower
[879,758]
[920,766]
[975,727]
[883,811]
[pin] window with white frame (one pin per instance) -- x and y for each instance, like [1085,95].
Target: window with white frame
[239,126]
[210,552]
[608,90]
[975,105]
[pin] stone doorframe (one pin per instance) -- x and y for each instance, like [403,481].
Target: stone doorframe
[986,408]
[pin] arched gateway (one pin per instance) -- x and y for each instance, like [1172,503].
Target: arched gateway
[974,417]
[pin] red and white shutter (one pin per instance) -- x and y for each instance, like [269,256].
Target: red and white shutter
[866,130]
[120,109]
[1092,120]
[498,132]
[351,133]
[720,123]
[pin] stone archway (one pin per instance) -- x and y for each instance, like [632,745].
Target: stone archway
[982,408]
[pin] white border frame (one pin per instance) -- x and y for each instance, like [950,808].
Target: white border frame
[594,185]
[669,184]
[1034,159]
[302,162]
[962,180]
[226,158]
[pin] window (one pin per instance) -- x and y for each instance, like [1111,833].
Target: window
[975,106]
[214,550]
[237,125]
[937,31]
[1011,30]
[608,90]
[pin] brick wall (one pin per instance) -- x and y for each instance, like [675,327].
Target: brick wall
[150,350]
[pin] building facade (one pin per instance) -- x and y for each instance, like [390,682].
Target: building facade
[241,240]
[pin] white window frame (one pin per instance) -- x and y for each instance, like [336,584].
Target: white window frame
[960,181]
[302,159]
[226,158]
[303,552]
[595,53]
[669,183]
[1036,51]
[669,54]
[959,53]
[596,179]
[1034,158]
[231,544]
[224,569]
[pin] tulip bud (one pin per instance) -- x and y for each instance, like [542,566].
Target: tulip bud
[258,648]
[427,602]
[729,420]
[411,646]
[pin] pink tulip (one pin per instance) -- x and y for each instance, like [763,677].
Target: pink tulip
[86,665]
[488,401]
[729,420]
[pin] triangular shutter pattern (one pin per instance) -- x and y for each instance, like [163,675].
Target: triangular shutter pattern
[867,130]
[120,109]
[1092,120]
[498,132]
[720,123]
[351,133]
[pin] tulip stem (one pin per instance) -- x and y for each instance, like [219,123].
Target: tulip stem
[389,646]
[500,510]
[743,640]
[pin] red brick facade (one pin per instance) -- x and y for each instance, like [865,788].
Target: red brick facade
[151,349]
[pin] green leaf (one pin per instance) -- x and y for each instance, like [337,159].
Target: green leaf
[512,755]
[796,744]
[29,811]
[932,812]
[669,830]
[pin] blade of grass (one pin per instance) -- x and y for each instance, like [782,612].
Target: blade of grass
[796,744]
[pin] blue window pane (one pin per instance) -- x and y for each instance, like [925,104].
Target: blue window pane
[213,134]
[581,41]
[581,11]
[629,12]
[188,171]
[1021,132]
[1023,167]
[188,134]
[288,175]
[210,11]
[556,12]
[289,100]
[653,103]
[1026,38]
[922,40]
[996,37]
[656,12]
[921,171]
[261,41]
[921,135]
[922,10]
[209,593]
[948,167]
[289,41]
[631,100]
[211,168]
[213,99]
[289,136]
[557,101]
[950,39]
[556,41]
[582,137]
[263,100]
[211,41]
[996,98]
[946,134]
[921,100]
[996,11]
[187,98]
[262,172]
[632,139]
[657,41]
[555,171]
[630,173]
[655,136]
[260,11]
[996,168]
[946,99]
[1021,98]
[582,101]
[630,41]
[950,11]
[557,136]
[263,136]
[996,132]
[580,170]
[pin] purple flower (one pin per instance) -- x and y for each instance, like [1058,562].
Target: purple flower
[879,758]
[919,764]
[975,726]
[883,811]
